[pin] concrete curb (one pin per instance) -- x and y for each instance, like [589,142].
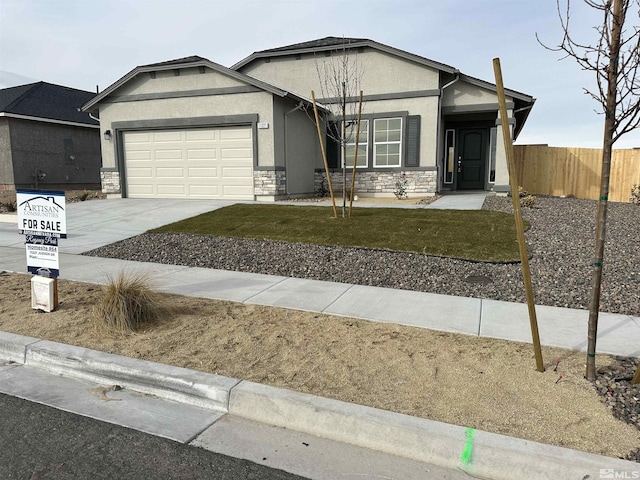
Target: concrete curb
[8,218]
[165,381]
[492,455]
[14,347]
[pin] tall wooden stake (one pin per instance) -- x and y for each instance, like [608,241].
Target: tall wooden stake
[522,243]
[355,156]
[56,302]
[324,155]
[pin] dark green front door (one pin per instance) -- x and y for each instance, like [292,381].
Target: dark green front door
[472,149]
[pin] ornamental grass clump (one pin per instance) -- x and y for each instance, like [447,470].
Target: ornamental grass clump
[127,302]
[9,206]
[635,194]
[526,199]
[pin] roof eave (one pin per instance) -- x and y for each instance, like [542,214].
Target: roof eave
[525,112]
[48,120]
[490,86]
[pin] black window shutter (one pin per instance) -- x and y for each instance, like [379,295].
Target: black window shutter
[412,158]
[332,146]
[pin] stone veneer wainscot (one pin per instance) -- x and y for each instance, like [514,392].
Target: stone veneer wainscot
[372,182]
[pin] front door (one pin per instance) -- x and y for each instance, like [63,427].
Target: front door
[471,160]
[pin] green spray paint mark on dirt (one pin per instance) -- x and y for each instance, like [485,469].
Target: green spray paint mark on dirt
[467,453]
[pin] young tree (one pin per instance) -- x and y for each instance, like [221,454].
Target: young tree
[614,58]
[340,79]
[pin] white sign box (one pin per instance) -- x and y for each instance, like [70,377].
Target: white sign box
[43,294]
[42,213]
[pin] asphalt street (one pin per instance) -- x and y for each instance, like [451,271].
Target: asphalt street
[40,442]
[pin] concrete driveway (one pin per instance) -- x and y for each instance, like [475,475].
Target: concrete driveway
[95,223]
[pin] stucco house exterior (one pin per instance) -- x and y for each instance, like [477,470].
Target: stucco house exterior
[45,140]
[192,128]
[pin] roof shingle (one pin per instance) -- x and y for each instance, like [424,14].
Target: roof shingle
[320,42]
[47,101]
[178,61]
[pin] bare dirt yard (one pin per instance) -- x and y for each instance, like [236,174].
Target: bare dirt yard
[477,382]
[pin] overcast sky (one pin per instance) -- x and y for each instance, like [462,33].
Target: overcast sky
[84,43]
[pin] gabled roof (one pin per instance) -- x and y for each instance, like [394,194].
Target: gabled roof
[523,102]
[338,43]
[189,62]
[46,101]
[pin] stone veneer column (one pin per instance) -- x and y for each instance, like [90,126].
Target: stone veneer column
[110,181]
[269,183]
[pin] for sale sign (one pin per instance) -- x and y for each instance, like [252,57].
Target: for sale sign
[42,255]
[41,213]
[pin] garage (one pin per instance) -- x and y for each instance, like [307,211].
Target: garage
[203,163]
[191,128]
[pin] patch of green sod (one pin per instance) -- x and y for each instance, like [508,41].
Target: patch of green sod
[479,235]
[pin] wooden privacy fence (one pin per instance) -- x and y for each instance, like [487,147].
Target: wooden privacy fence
[560,171]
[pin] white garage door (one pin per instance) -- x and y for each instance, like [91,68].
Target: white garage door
[197,163]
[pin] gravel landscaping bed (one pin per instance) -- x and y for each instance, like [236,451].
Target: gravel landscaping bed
[622,398]
[561,243]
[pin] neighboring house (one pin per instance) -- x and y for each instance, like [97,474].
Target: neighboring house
[45,140]
[193,128]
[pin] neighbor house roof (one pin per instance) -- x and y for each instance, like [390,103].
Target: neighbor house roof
[42,101]
[189,62]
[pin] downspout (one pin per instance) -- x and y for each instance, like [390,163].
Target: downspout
[439,158]
[286,143]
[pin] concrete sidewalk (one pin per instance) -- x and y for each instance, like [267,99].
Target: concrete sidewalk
[460,201]
[559,327]
[465,200]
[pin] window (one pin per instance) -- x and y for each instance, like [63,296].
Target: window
[363,144]
[387,140]
[395,142]
[449,156]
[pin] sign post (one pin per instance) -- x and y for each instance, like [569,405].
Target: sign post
[42,220]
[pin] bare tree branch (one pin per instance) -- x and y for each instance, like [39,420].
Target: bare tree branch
[595,57]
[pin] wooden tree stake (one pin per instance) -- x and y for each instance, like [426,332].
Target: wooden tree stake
[522,242]
[324,154]
[355,156]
